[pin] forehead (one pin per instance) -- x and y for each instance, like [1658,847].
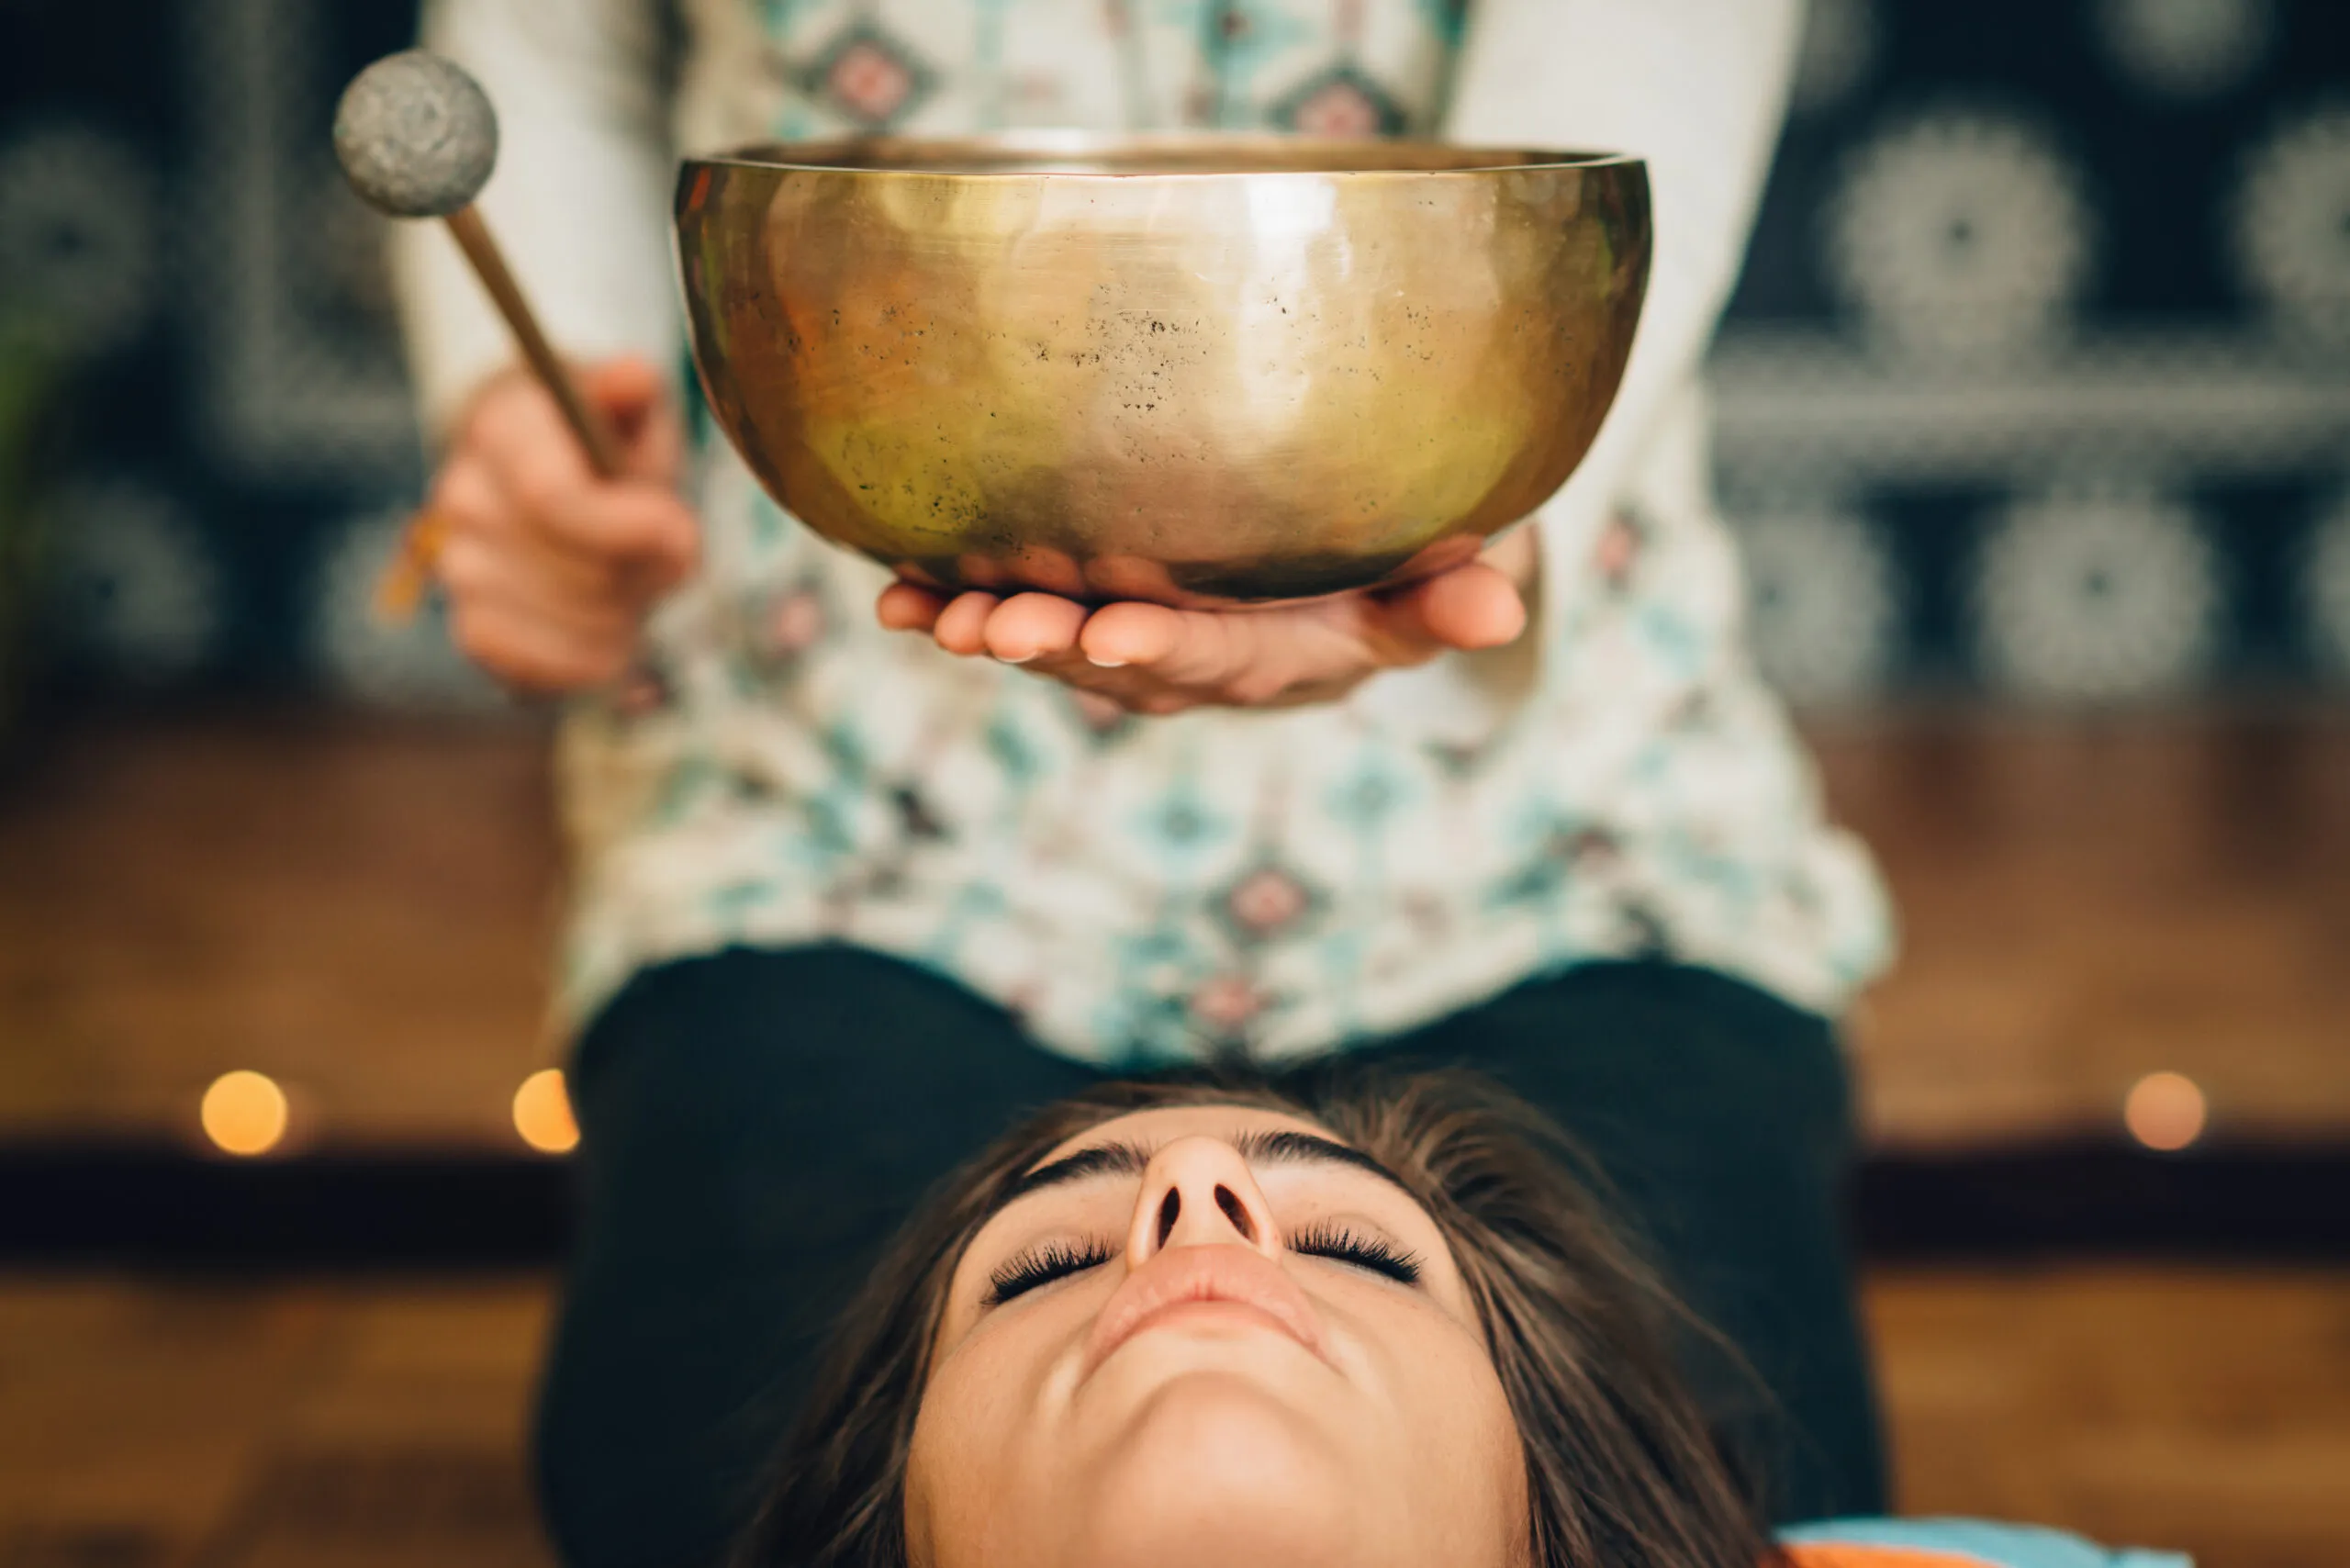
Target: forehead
[1163,1125]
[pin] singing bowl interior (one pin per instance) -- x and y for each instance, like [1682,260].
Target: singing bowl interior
[1198,370]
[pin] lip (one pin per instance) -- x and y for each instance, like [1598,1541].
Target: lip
[1186,1276]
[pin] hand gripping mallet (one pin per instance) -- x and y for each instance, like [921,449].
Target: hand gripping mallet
[417,138]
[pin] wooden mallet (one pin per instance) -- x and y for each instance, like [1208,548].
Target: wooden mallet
[417,137]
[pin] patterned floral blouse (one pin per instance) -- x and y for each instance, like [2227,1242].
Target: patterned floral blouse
[1137,891]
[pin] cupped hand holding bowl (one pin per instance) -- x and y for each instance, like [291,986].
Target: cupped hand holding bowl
[1154,659]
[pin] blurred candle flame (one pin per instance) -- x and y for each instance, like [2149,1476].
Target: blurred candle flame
[542,1112]
[244,1113]
[2164,1110]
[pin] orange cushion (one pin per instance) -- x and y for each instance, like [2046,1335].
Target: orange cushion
[1849,1554]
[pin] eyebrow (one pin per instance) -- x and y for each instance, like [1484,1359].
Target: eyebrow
[1127,1159]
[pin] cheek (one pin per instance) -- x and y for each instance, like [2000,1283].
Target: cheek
[1489,1454]
[952,1465]
[973,1471]
[1453,1459]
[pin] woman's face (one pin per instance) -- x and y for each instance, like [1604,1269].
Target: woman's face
[1211,1335]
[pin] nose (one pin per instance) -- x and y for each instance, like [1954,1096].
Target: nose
[1198,1191]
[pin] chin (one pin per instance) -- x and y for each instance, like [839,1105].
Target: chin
[1214,1467]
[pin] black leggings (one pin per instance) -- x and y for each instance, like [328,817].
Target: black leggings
[756,1123]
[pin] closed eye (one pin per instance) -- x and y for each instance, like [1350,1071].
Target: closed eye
[1041,1266]
[1341,1244]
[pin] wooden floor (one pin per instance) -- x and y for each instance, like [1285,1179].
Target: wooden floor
[2205,1413]
[307,1425]
[356,1425]
[364,910]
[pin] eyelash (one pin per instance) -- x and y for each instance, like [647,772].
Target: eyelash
[1033,1269]
[1058,1260]
[1374,1253]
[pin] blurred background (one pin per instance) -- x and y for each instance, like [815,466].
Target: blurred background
[2035,425]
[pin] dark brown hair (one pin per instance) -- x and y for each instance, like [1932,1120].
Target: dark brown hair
[1620,1472]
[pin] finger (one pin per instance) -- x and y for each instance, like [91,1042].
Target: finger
[487,538]
[531,654]
[1048,570]
[521,564]
[1130,690]
[975,570]
[1242,657]
[1470,607]
[1034,625]
[514,420]
[626,388]
[1130,635]
[903,607]
[963,625]
[656,452]
[482,575]
[465,493]
[543,474]
[644,528]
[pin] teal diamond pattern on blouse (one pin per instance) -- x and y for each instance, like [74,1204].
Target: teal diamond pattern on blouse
[1242,36]
[1370,796]
[1182,827]
[1561,849]
[1448,20]
[1014,752]
[776,15]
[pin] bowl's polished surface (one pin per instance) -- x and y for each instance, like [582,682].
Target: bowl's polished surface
[1193,370]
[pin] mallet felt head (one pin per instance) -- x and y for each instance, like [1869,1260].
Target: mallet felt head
[416,135]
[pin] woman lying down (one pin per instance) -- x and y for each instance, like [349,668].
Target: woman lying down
[1358,1325]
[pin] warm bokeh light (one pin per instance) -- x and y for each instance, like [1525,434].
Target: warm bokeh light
[244,1113]
[543,1113]
[2164,1110]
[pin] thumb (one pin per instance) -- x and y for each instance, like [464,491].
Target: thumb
[1471,607]
[625,388]
[634,396]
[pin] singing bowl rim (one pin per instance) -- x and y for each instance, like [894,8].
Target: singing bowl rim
[1028,154]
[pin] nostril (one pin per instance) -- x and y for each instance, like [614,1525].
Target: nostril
[1168,1211]
[1237,1211]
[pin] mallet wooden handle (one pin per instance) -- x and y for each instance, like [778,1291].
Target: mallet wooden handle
[595,437]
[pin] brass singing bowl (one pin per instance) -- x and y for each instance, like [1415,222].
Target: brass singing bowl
[1200,370]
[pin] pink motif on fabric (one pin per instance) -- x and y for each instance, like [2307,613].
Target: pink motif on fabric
[795,623]
[1340,102]
[1228,1003]
[639,692]
[1100,714]
[872,82]
[1618,552]
[1338,110]
[870,77]
[1036,89]
[1266,901]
